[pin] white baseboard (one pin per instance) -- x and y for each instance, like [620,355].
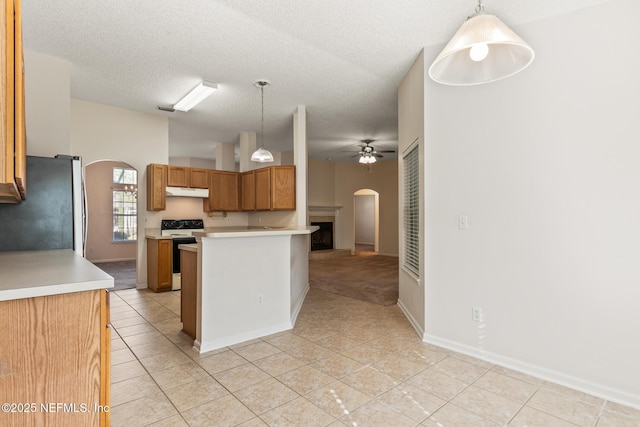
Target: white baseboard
[240,338]
[411,320]
[298,306]
[585,386]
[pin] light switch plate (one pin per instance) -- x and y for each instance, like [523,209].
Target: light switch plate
[463,222]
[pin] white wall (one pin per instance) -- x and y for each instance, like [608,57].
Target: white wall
[47,104]
[546,166]
[100,132]
[351,177]
[411,100]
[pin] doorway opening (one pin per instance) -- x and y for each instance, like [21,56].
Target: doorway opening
[366,204]
[111,191]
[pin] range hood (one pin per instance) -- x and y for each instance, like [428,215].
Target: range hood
[201,193]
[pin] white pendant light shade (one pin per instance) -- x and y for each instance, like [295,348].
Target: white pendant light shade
[262,155]
[483,50]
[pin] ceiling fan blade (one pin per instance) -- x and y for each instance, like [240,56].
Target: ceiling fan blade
[387,151]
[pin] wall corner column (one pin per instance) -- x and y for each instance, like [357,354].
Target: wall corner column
[300,160]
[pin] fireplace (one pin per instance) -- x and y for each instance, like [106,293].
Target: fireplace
[322,238]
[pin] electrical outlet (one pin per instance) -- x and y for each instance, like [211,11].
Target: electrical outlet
[476,314]
[259,299]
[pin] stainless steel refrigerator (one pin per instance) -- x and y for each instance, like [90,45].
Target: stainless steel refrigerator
[52,216]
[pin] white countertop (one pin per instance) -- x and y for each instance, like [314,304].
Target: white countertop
[254,231]
[27,274]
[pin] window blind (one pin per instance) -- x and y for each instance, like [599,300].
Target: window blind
[412,212]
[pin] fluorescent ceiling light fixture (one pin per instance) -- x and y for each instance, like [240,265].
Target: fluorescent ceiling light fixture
[483,50]
[196,96]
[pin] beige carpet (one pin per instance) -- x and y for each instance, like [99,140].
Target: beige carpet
[366,277]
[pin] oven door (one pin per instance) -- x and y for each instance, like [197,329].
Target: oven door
[176,252]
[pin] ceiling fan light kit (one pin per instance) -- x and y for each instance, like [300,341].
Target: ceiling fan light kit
[483,50]
[195,96]
[367,159]
[262,155]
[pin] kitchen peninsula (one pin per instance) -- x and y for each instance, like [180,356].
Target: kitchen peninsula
[251,282]
[55,342]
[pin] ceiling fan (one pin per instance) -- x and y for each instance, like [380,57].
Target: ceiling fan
[368,153]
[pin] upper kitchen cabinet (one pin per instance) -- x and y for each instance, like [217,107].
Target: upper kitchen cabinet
[248,191]
[224,192]
[198,178]
[178,176]
[275,188]
[186,177]
[13,151]
[156,187]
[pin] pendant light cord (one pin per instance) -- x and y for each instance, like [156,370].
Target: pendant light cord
[262,122]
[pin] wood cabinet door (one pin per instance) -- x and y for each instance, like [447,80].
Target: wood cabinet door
[263,189]
[105,356]
[224,192]
[189,292]
[199,178]
[156,187]
[51,353]
[165,264]
[248,191]
[9,192]
[283,188]
[20,165]
[178,176]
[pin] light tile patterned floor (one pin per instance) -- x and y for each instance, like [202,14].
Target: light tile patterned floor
[346,363]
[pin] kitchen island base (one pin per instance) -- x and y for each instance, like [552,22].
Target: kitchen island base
[249,284]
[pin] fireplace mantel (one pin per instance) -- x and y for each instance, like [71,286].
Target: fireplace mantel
[317,210]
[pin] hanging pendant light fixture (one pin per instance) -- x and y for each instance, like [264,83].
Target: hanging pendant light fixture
[262,155]
[483,50]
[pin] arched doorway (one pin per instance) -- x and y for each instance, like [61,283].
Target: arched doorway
[366,220]
[112,217]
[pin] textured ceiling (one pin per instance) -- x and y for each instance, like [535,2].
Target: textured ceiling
[343,59]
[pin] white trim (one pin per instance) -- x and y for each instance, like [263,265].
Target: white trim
[323,210]
[411,320]
[588,387]
[237,339]
[298,307]
[411,274]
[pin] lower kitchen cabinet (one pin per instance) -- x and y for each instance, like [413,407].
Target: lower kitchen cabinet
[159,264]
[189,291]
[54,351]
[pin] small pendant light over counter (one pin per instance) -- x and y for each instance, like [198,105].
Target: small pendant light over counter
[262,155]
[483,50]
